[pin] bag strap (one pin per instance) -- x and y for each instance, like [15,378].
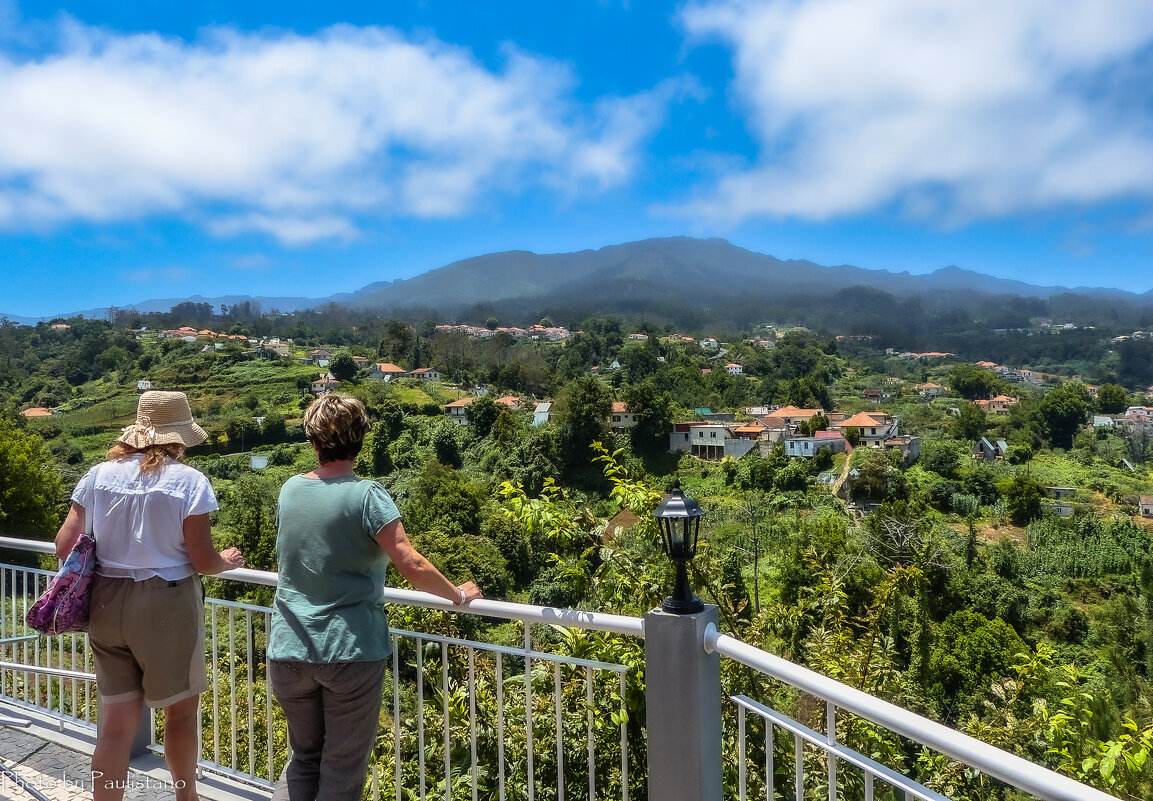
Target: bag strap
[90,511]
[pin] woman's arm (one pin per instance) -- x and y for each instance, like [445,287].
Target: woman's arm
[70,530]
[420,572]
[204,558]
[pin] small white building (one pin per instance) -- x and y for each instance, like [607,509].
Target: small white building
[734,369]
[1146,506]
[542,413]
[144,385]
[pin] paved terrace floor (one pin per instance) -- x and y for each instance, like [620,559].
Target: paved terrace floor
[56,763]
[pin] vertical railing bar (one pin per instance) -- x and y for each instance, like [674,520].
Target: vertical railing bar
[447,721]
[472,719]
[215,687]
[72,662]
[375,782]
[868,786]
[4,583]
[420,711]
[741,753]
[624,743]
[271,744]
[557,701]
[396,714]
[590,703]
[87,684]
[250,641]
[799,767]
[770,779]
[500,723]
[831,738]
[24,648]
[232,680]
[528,710]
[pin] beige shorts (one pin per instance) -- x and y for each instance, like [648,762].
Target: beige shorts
[147,639]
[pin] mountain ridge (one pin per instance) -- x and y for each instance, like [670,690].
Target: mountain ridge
[702,268]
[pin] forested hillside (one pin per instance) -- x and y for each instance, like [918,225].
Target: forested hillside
[959,586]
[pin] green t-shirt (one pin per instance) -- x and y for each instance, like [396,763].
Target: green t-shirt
[331,571]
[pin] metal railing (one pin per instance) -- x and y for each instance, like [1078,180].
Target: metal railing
[509,719]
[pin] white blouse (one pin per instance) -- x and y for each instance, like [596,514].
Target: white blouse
[138,517]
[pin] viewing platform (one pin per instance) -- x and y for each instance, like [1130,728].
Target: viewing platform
[561,704]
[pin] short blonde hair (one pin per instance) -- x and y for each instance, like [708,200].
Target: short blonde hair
[337,426]
[154,455]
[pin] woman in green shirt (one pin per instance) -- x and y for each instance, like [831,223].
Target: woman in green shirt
[329,643]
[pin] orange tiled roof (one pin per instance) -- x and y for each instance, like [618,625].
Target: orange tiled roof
[37,411]
[619,407]
[863,419]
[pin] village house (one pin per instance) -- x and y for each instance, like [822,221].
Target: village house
[273,349]
[997,405]
[679,438]
[874,395]
[361,362]
[930,390]
[734,369]
[908,446]
[386,371]
[320,357]
[511,401]
[773,429]
[708,343]
[807,447]
[875,427]
[715,441]
[1146,506]
[622,418]
[989,451]
[455,410]
[143,385]
[795,416]
[425,374]
[322,385]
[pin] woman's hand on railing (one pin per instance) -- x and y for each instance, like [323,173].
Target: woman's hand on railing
[468,592]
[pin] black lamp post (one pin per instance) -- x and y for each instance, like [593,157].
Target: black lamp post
[679,518]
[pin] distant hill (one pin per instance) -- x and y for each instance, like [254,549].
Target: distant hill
[641,275]
[702,268]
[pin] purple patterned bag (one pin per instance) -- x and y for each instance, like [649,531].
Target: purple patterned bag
[63,607]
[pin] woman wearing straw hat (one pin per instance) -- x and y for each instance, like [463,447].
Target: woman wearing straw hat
[149,515]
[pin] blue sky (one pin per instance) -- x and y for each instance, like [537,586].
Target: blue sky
[155,149]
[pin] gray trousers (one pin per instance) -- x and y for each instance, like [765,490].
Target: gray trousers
[333,711]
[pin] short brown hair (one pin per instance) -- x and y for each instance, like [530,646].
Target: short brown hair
[337,426]
[154,455]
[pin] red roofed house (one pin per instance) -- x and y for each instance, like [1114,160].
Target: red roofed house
[511,401]
[323,385]
[455,410]
[622,418]
[734,369]
[793,415]
[425,374]
[875,428]
[386,371]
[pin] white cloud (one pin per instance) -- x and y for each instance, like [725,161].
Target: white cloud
[947,111]
[297,137]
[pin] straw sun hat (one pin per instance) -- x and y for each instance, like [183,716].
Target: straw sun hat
[163,418]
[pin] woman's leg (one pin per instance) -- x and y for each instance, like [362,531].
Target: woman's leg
[300,697]
[352,698]
[182,746]
[118,723]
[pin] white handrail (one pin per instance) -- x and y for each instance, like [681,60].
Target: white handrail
[572,618]
[1020,773]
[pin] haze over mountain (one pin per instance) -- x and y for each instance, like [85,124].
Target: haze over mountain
[669,270]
